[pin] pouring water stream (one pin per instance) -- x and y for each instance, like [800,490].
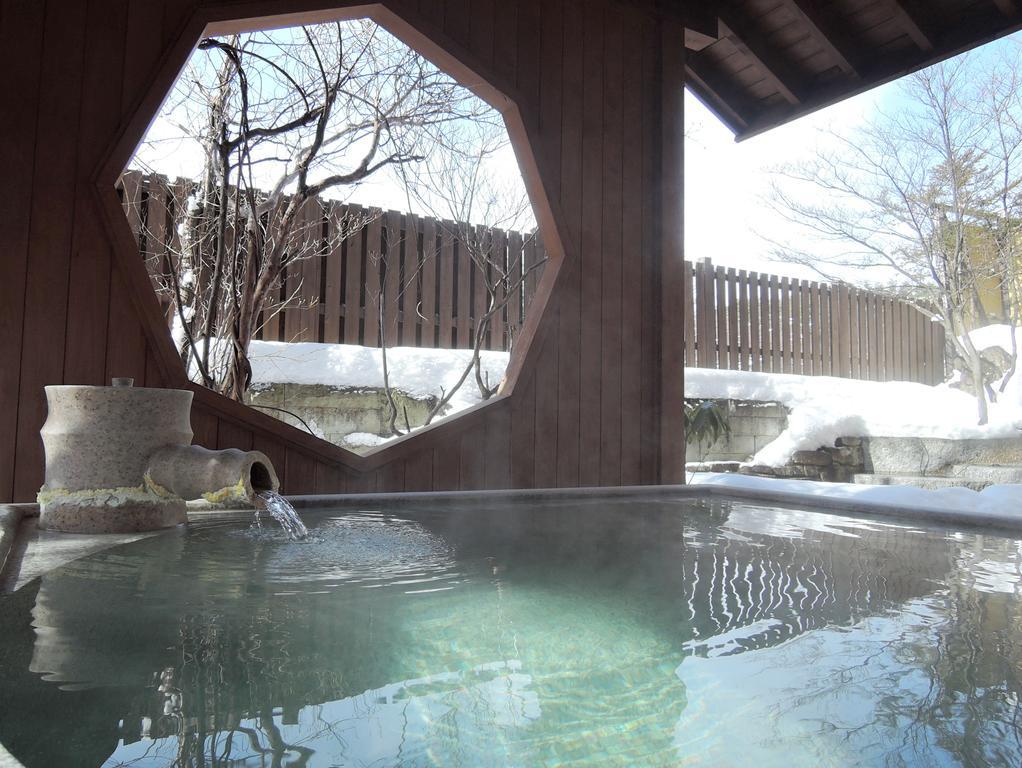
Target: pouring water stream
[283,513]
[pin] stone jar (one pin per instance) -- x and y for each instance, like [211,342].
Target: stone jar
[98,441]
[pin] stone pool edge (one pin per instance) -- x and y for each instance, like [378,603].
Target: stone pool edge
[1003,522]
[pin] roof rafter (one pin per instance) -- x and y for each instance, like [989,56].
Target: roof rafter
[752,45]
[808,14]
[910,23]
[720,96]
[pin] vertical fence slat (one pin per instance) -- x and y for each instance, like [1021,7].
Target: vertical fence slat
[755,327]
[354,252]
[514,302]
[765,338]
[312,235]
[705,312]
[688,307]
[940,352]
[447,278]
[156,232]
[333,296]
[373,262]
[744,310]
[787,359]
[498,258]
[842,329]
[854,339]
[464,282]
[917,345]
[816,366]
[427,334]
[533,253]
[392,278]
[733,337]
[797,316]
[890,357]
[720,317]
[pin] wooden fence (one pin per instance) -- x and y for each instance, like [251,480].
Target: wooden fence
[433,292]
[739,320]
[734,319]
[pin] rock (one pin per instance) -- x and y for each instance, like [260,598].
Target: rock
[846,455]
[812,458]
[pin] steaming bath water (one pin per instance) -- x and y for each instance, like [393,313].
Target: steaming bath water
[600,633]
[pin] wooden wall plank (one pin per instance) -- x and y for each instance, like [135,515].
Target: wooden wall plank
[591,246]
[86,334]
[418,474]
[496,452]
[612,261]
[49,241]
[21,45]
[569,301]
[472,469]
[524,445]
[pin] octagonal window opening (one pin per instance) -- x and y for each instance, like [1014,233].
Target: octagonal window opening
[337,231]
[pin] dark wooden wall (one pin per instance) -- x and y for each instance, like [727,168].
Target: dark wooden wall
[597,400]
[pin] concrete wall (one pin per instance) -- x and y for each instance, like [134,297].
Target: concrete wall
[753,425]
[334,413]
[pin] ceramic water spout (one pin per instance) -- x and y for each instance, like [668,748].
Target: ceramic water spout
[119,459]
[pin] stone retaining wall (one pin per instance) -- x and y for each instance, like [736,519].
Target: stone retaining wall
[333,413]
[753,425]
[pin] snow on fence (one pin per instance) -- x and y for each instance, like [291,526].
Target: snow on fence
[739,320]
[338,298]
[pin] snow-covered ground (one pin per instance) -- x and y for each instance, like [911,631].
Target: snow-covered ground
[417,372]
[998,503]
[825,408]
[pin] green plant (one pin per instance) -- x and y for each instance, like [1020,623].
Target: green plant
[706,420]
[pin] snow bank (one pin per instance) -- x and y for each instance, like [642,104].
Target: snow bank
[417,372]
[1002,501]
[824,408]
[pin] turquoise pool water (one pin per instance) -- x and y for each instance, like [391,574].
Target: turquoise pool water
[622,632]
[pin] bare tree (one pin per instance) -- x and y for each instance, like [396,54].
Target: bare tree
[299,113]
[925,196]
[461,186]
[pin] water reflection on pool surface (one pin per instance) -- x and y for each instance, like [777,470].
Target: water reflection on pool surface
[616,632]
